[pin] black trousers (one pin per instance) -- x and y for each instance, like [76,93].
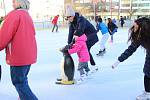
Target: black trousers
[147,83]
[54,27]
[91,57]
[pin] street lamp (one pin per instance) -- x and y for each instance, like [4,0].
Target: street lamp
[94,6]
[4,7]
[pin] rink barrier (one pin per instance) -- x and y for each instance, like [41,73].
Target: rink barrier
[48,25]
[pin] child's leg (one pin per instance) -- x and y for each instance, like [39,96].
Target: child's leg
[80,68]
[86,66]
[147,83]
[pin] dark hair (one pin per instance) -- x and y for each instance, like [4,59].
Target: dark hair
[109,20]
[100,20]
[142,35]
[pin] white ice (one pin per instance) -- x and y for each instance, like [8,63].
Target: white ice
[123,83]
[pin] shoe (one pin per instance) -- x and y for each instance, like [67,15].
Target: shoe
[94,69]
[101,52]
[82,78]
[144,96]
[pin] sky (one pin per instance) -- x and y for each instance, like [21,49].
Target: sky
[39,7]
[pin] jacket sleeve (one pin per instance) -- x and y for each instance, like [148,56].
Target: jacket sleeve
[8,29]
[70,35]
[81,23]
[128,52]
[75,48]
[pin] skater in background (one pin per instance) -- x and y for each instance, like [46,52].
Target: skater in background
[54,22]
[80,48]
[114,21]
[121,21]
[79,25]
[139,36]
[105,35]
[93,22]
[17,37]
[112,28]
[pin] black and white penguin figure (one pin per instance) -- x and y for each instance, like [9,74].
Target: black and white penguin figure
[67,69]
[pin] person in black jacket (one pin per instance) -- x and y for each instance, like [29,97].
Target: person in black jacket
[79,25]
[121,21]
[112,28]
[139,36]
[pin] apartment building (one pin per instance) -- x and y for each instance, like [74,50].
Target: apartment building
[113,8]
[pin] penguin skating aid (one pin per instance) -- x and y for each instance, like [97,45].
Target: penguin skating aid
[67,70]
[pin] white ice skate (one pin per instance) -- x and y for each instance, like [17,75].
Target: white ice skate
[81,79]
[144,96]
[93,69]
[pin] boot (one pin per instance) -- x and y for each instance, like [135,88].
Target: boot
[144,96]
[101,52]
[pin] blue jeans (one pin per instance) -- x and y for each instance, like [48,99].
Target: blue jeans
[20,81]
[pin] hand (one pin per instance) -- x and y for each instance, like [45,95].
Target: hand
[63,50]
[68,47]
[115,64]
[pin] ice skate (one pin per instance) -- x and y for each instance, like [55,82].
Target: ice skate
[94,69]
[144,96]
[101,52]
[81,79]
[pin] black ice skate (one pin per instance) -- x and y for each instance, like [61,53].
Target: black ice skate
[101,52]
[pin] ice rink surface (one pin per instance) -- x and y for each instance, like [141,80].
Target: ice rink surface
[123,83]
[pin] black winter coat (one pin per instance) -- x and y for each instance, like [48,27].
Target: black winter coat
[131,49]
[111,27]
[80,26]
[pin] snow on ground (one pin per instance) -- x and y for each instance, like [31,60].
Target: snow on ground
[123,83]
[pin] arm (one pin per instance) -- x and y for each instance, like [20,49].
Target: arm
[127,53]
[75,48]
[8,29]
[70,35]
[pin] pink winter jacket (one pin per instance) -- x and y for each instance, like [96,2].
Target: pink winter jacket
[81,49]
[17,36]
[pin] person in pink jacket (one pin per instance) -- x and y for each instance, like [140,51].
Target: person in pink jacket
[80,48]
[17,37]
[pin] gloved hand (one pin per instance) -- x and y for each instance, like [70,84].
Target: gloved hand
[115,64]
[68,46]
[64,49]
